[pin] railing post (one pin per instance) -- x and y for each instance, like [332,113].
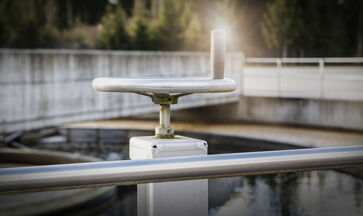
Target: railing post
[321,73]
[278,65]
[242,78]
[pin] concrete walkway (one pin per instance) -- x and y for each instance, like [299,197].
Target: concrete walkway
[312,137]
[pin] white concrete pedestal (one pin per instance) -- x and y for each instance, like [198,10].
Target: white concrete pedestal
[170,198]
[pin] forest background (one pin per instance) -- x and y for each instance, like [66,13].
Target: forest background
[259,28]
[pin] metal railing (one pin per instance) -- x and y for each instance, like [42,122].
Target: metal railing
[95,174]
[305,60]
[316,78]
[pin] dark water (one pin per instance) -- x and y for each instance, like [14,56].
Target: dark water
[305,193]
[301,193]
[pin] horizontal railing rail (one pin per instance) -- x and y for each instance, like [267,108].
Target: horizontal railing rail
[304,60]
[308,78]
[81,175]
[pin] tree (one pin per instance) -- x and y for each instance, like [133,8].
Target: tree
[280,25]
[141,37]
[113,34]
[140,31]
[26,25]
[3,27]
[168,32]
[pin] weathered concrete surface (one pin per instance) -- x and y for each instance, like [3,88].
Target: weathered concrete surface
[308,137]
[41,88]
[303,112]
[310,82]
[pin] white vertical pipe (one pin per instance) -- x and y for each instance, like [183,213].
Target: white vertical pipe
[218,49]
[321,72]
[164,116]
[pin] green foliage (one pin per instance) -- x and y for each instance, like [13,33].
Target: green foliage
[73,39]
[3,27]
[24,27]
[168,32]
[175,28]
[141,39]
[280,26]
[141,36]
[48,37]
[193,35]
[325,33]
[113,34]
[312,28]
[260,28]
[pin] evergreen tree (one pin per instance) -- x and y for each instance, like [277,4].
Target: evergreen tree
[113,34]
[260,28]
[140,32]
[28,26]
[280,25]
[141,37]
[3,27]
[168,32]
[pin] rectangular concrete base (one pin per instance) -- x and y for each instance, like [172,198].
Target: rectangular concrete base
[170,198]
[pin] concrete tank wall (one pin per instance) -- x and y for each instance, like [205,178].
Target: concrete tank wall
[294,111]
[41,88]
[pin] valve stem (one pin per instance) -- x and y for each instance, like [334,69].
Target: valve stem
[164,131]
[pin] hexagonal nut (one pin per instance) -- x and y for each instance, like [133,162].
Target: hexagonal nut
[164,133]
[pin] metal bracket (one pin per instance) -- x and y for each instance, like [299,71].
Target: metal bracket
[164,131]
